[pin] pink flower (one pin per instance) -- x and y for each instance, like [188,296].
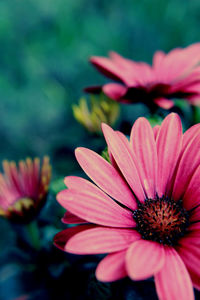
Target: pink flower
[172,75]
[144,208]
[23,190]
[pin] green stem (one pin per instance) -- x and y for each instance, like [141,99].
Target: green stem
[33,234]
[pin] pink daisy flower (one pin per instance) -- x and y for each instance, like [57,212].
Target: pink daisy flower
[144,208]
[172,75]
[23,189]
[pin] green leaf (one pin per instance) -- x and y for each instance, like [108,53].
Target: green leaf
[57,185]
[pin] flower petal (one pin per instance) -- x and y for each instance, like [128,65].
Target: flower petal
[191,238]
[88,202]
[158,59]
[114,91]
[112,267]
[144,147]
[101,240]
[177,63]
[122,69]
[164,103]
[191,257]
[195,214]
[194,227]
[61,238]
[70,218]
[195,279]
[189,162]
[144,259]
[191,197]
[173,281]
[189,135]
[107,67]
[169,142]
[105,176]
[156,130]
[124,158]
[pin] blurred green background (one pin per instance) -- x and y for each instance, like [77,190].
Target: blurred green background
[44,50]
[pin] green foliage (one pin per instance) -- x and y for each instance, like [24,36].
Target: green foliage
[57,186]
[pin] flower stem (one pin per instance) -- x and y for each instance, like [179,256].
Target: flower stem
[33,234]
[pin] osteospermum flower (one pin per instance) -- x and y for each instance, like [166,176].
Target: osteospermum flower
[23,189]
[144,208]
[172,75]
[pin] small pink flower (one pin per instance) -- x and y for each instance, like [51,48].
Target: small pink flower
[23,190]
[172,75]
[143,209]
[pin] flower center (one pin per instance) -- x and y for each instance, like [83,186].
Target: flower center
[162,220]
[21,204]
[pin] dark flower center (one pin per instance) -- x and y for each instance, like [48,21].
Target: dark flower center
[162,220]
[22,204]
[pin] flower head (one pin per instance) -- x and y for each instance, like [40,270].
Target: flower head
[23,189]
[101,109]
[144,208]
[172,75]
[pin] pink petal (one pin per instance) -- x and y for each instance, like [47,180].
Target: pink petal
[195,279]
[195,214]
[156,130]
[144,147]
[191,238]
[189,135]
[189,162]
[143,76]
[112,267]
[122,62]
[69,218]
[123,156]
[105,176]
[164,103]
[187,60]
[107,67]
[8,194]
[169,142]
[114,91]
[191,258]
[62,237]
[123,138]
[194,227]
[112,161]
[190,244]
[89,203]
[101,240]
[189,83]
[178,63]
[173,281]
[191,197]
[12,176]
[133,73]
[144,259]
[158,59]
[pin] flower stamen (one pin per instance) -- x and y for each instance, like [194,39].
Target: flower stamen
[162,220]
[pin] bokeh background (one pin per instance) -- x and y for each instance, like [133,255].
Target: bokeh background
[44,50]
